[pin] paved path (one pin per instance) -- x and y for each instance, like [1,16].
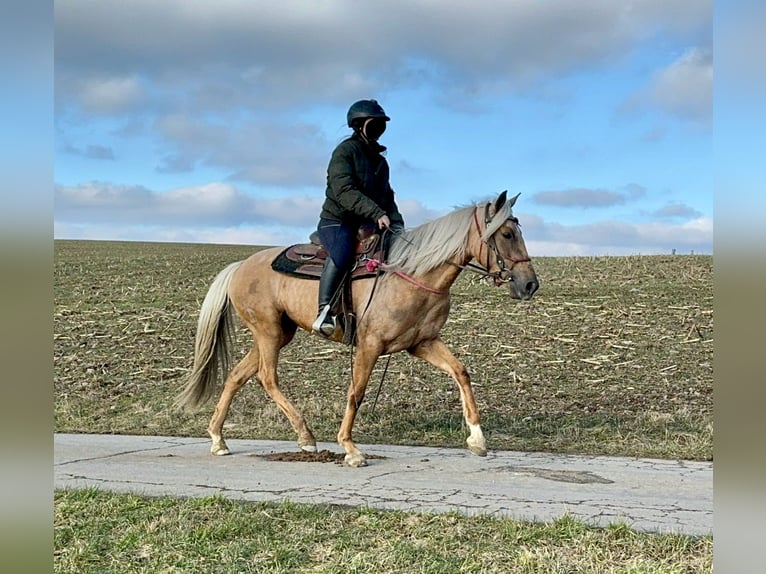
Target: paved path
[651,495]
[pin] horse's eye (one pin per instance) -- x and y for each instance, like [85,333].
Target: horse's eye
[508,234]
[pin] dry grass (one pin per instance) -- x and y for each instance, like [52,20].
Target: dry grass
[613,356]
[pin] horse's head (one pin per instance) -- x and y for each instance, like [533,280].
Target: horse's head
[507,260]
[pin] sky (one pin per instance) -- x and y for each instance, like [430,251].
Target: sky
[213,122]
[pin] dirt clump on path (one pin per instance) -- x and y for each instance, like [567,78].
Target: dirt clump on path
[304,456]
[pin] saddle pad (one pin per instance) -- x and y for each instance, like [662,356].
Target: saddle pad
[307,261]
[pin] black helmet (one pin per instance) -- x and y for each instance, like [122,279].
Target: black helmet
[365,109]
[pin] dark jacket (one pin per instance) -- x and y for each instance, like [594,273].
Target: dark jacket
[358,190]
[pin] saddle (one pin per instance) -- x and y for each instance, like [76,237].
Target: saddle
[306,260]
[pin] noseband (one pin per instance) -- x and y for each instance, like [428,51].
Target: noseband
[503,273]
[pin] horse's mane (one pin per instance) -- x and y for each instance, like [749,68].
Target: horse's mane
[423,248]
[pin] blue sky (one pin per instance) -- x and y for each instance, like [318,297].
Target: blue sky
[196,121]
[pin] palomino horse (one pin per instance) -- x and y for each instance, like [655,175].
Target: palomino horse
[405,310]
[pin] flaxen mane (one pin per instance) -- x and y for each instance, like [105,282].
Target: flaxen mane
[427,246]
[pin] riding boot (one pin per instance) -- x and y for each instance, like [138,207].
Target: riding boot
[329,282]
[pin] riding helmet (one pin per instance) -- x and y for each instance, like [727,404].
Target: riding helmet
[365,109]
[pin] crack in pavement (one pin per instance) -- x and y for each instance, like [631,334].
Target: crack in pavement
[168,444]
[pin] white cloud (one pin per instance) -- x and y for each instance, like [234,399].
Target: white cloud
[233,89]
[587,198]
[220,213]
[617,237]
[415,213]
[579,198]
[683,89]
[290,153]
[276,56]
[109,95]
[239,235]
[676,209]
[215,204]
[188,211]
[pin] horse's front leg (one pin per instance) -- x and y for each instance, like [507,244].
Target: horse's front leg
[364,361]
[438,354]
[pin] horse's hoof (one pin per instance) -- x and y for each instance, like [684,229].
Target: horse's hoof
[355,460]
[220,450]
[477,450]
[308,447]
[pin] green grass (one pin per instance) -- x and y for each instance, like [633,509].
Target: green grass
[99,532]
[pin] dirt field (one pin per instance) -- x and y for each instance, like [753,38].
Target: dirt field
[613,356]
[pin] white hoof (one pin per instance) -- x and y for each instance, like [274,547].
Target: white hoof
[477,449]
[355,460]
[309,447]
[220,450]
[476,442]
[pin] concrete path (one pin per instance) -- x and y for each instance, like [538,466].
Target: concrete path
[647,494]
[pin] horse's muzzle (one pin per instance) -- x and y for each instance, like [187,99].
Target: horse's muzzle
[523,288]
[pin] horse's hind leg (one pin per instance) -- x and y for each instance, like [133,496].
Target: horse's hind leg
[267,375]
[438,354]
[238,376]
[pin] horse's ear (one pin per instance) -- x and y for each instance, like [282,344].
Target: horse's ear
[512,201]
[500,201]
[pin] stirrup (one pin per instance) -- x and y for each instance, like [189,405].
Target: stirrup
[325,323]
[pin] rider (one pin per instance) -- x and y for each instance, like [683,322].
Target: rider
[358,192]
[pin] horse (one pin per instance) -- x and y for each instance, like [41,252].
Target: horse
[404,309]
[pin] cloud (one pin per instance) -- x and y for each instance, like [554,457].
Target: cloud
[215,206]
[587,198]
[676,210]
[91,151]
[683,89]
[239,235]
[109,95]
[617,237]
[231,84]
[236,90]
[277,56]
[99,152]
[542,238]
[176,164]
[266,152]
[415,213]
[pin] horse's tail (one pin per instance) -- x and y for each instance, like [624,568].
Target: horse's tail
[212,346]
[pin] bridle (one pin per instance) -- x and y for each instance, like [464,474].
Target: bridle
[503,274]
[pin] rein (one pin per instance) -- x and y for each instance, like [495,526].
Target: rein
[374,265]
[418,283]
